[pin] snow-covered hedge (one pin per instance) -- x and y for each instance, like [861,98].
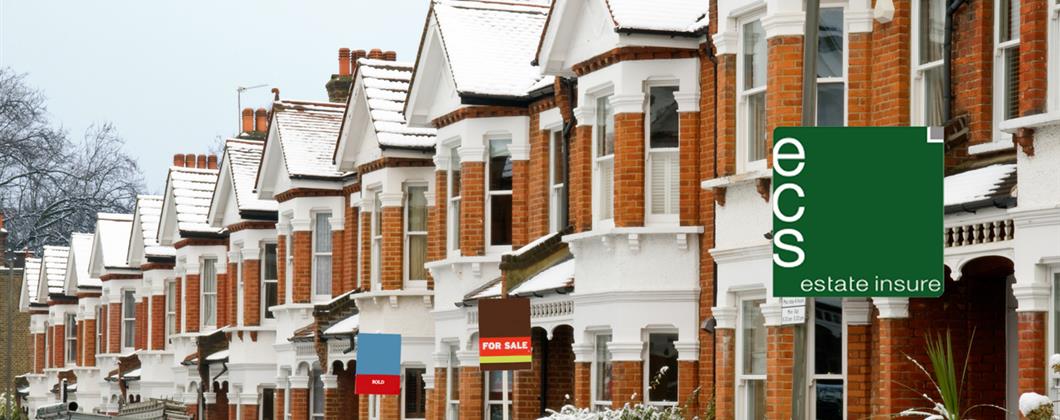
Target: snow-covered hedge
[628,412]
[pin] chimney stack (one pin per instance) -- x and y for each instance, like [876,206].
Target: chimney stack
[248,120]
[344,61]
[178,159]
[356,55]
[261,120]
[201,163]
[211,162]
[390,56]
[376,54]
[189,161]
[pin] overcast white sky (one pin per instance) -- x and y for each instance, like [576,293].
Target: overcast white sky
[166,72]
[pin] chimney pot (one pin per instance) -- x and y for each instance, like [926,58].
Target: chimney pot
[261,120]
[201,164]
[248,120]
[178,159]
[390,56]
[276,94]
[189,160]
[375,54]
[344,61]
[211,162]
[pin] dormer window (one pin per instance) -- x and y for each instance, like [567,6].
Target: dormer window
[322,256]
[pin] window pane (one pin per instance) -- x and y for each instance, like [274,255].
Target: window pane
[603,368]
[495,385]
[496,412]
[605,127]
[129,304]
[756,126]
[1009,20]
[322,233]
[318,393]
[664,122]
[830,43]
[932,29]
[415,396]
[267,404]
[323,275]
[417,257]
[754,55]
[559,158]
[454,172]
[417,208]
[209,277]
[662,367]
[269,262]
[933,96]
[756,400]
[270,299]
[829,399]
[830,104]
[501,220]
[1012,81]
[828,336]
[454,384]
[500,165]
[377,215]
[454,222]
[754,338]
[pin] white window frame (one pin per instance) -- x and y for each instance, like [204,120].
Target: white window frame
[918,101]
[71,339]
[999,76]
[204,318]
[405,391]
[452,225]
[321,295]
[408,234]
[557,189]
[171,308]
[505,402]
[288,267]
[743,140]
[262,260]
[602,219]
[488,209]
[128,324]
[47,347]
[672,216]
[452,368]
[647,375]
[100,320]
[846,64]
[375,238]
[741,378]
[811,347]
[594,368]
[237,258]
[373,407]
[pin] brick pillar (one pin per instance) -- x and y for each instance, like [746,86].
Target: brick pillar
[725,371]
[362,401]
[79,352]
[627,378]
[581,175]
[437,214]
[582,382]
[526,388]
[58,346]
[520,197]
[1032,357]
[366,250]
[338,262]
[191,303]
[278,404]
[302,283]
[780,359]
[89,343]
[559,375]
[859,371]
[391,275]
[472,208]
[179,299]
[158,322]
[114,328]
[333,398]
[726,114]
[248,412]
[349,245]
[1034,53]
[629,169]
[893,341]
[38,353]
[890,68]
[389,407]
[251,292]
[687,382]
[141,324]
[689,159]
[470,393]
[784,77]
[281,270]
[350,402]
[436,403]
[859,87]
[537,179]
[299,403]
[223,295]
[219,410]
[232,411]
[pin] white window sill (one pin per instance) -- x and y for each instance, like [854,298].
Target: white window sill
[1047,119]
[994,146]
[737,179]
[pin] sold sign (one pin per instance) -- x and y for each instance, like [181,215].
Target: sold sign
[378,364]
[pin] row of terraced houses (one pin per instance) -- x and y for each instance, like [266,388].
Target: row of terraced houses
[607,159]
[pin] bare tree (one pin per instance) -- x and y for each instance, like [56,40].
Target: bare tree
[51,186]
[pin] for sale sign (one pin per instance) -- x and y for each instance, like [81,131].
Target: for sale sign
[378,364]
[504,334]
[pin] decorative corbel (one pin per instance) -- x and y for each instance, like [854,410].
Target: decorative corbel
[762,185]
[1024,138]
[634,243]
[682,241]
[393,301]
[719,196]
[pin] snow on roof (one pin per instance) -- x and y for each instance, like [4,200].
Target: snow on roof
[307,134]
[81,253]
[55,258]
[557,276]
[488,290]
[978,184]
[346,326]
[114,231]
[31,275]
[220,355]
[534,244]
[244,157]
[149,208]
[659,15]
[192,191]
[386,85]
[490,44]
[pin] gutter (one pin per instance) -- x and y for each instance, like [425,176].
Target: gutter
[947,60]
[972,206]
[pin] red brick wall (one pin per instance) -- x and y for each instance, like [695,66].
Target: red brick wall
[299,403]
[890,68]
[725,369]
[338,262]
[1032,358]
[79,353]
[726,113]
[141,324]
[392,272]
[560,372]
[687,382]
[436,402]
[520,197]
[349,245]
[581,208]
[389,407]
[472,208]
[859,366]
[191,304]
[470,393]
[973,68]
[279,399]
[784,78]
[690,175]
[582,382]
[892,368]
[629,170]
[281,268]
[158,322]
[526,388]
[251,292]
[438,216]
[627,382]
[780,357]
[705,217]
[537,197]
[249,412]
[366,250]
[114,327]
[180,305]
[227,295]
[1034,44]
[58,346]
[38,352]
[350,404]
[89,343]
[859,87]
[302,283]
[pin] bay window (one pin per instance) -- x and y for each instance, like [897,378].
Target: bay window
[751,366]
[928,31]
[752,96]
[171,308]
[71,339]
[498,394]
[664,164]
[660,377]
[209,292]
[605,157]
[415,232]
[377,240]
[269,281]
[557,161]
[322,256]
[452,388]
[831,68]
[415,394]
[453,192]
[128,318]
[499,194]
[601,372]
[1007,63]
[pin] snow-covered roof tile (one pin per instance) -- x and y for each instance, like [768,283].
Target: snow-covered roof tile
[55,258]
[995,181]
[490,45]
[555,277]
[114,231]
[386,87]
[81,253]
[192,192]
[244,156]
[31,275]
[659,15]
[149,208]
[488,290]
[308,132]
[346,326]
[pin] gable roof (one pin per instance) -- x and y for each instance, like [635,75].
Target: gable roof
[30,281]
[77,274]
[148,215]
[187,199]
[306,132]
[490,45]
[53,273]
[242,158]
[677,16]
[111,243]
[386,86]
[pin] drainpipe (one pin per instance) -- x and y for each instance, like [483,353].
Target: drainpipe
[568,131]
[947,62]
[809,63]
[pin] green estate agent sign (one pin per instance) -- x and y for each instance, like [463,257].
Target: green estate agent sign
[857,211]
